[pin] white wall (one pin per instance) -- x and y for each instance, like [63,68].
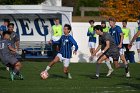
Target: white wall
[80,35]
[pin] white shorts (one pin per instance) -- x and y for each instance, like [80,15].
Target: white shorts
[121,51]
[65,61]
[91,44]
[138,44]
[126,41]
[56,38]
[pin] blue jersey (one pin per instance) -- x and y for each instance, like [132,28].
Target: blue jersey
[115,33]
[3,28]
[66,43]
[138,39]
[91,36]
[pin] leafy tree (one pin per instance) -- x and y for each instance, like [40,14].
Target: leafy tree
[121,9]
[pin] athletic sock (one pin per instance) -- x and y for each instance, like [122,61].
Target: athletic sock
[139,56]
[108,64]
[47,68]
[97,69]
[124,66]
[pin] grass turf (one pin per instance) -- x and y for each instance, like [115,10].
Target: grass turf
[81,82]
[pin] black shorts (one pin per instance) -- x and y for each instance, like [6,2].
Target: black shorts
[10,61]
[115,55]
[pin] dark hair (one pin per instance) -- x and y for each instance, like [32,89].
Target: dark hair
[68,26]
[56,19]
[112,19]
[98,27]
[10,24]
[6,20]
[6,32]
[103,22]
[90,21]
[124,21]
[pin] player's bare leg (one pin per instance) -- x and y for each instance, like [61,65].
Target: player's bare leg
[126,65]
[16,71]
[55,60]
[92,58]
[66,71]
[122,65]
[91,52]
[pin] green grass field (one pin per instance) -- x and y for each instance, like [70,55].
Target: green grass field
[81,82]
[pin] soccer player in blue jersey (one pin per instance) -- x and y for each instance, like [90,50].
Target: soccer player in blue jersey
[117,34]
[4,27]
[66,41]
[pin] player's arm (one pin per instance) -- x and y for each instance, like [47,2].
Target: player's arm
[122,37]
[75,44]
[97,49]
[17,41]
[17,44]
[11,48]
[135,37]
[121,42]
[107,46]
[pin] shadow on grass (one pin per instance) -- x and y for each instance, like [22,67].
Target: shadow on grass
[2,77]
[137,78]
[136,86]
[2,68]
[56,76]
[102,75]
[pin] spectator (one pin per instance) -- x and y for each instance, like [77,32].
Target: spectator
[4,27]
[57,33]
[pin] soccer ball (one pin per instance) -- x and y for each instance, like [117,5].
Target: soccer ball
[44,74]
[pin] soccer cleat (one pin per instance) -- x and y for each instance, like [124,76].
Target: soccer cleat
[128,74]
[69,76]
[95,77]
[109,72]
[11,75]
[20,77]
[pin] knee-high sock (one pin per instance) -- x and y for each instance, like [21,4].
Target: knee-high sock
[139,56]
[108,65]
[124,66]
[47,68]
[97,69]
